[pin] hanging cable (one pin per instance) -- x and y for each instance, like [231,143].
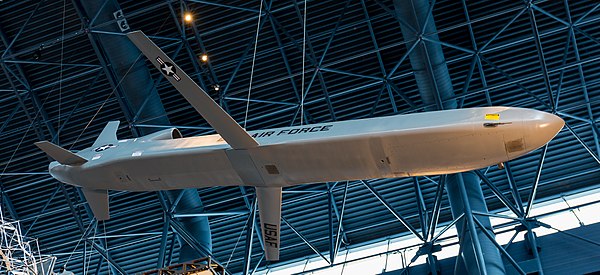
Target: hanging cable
[45,99]
[239,238]
[60,77]
[37,114]
[303,60]
[105,101]
[89,261]
[253,62]
[78,242]
[43,102]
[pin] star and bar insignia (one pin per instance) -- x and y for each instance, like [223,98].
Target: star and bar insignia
[168,69]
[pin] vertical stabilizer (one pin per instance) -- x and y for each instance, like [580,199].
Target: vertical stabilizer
[108,135]
[269,207]
[98,201]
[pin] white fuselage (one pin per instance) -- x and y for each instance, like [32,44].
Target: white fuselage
[396,146]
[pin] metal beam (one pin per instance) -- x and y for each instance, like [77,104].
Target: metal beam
[541,57]
[587,148]
[112,79]
[163,241]
[7,202]
[210,214]
[284,57]
[581,76]
[37,104]
[421,207]
[189,239]
[498,193]
[104,253]
[9,46]
[392,210]
[65,121]
[493,240]
[437,206]
[514,188]
[536,182]
[241,61]
[480,260]
[210,3]
[249,238]
[338,240]
[312,59]
[330,227]
[43,210]
[329,42]
[305,240]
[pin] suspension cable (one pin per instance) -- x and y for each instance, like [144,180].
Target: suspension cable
[43,103]
[105,101]
[89,261]
[78,242]
[37,114]
[303,61]
[253,62]
[239,238]
[60,77]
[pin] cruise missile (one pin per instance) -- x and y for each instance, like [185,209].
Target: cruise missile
[430,143]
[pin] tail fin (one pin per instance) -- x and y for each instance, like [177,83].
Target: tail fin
[269,207]
[98,202]
[63,156]
[108,135]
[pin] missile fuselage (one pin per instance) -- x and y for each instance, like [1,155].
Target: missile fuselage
[417,144]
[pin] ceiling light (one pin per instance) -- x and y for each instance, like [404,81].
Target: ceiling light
[204,58]
[188,17]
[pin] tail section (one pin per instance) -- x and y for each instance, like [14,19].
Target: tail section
[63,156]
[98,202]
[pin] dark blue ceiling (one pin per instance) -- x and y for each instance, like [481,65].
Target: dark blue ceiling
[40,96]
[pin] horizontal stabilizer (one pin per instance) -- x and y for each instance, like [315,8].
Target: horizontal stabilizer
[269,207]
[63,156]
[220,120]
[98,202]
[108,135]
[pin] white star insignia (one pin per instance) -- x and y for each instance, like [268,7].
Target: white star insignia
[168,69]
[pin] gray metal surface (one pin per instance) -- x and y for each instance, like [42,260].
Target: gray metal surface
[344,81]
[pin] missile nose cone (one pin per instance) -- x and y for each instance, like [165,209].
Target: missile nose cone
[543,127]
[553,124]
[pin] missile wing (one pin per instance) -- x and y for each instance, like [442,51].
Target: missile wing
[63,156]
[269,198]
[228,128]
[98,202]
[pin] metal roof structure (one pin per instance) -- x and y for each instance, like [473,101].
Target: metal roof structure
[56,85]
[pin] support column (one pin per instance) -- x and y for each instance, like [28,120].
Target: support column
[479,255]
